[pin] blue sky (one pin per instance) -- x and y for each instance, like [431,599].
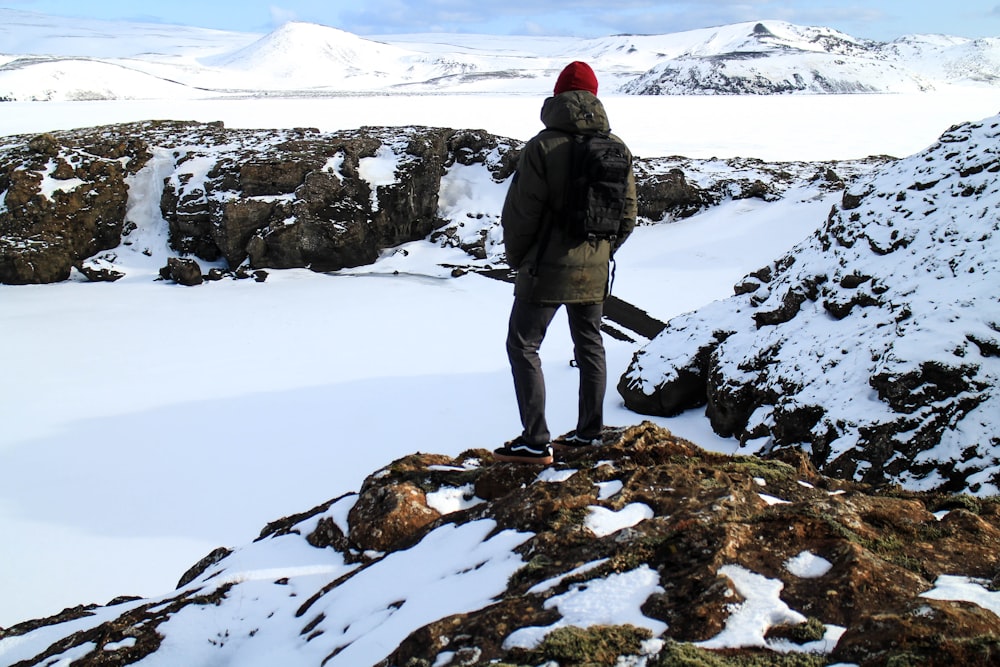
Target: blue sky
[874,19]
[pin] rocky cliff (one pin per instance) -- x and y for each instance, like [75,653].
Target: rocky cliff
[874,345]
[644,551]
[272,199]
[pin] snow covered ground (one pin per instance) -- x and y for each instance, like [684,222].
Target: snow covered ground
[144,424]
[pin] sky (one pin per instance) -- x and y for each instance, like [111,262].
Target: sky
[882,20]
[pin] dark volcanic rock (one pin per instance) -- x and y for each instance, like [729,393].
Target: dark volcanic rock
[270,198]
[64,200]
[183,271]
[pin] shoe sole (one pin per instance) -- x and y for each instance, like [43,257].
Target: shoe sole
[514,458]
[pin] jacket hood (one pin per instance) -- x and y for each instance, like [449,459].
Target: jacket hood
[575,111]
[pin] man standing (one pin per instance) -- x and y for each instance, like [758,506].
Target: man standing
[557,268]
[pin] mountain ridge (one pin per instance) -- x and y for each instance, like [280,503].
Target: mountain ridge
[758,57]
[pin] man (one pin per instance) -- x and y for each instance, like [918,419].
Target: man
[555,268]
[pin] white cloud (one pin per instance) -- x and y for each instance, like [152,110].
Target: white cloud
[281,15]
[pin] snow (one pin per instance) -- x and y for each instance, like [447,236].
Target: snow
[173,373]
[771,500]
[608,489]
[602,521]
[808,565]
[397,594]
[379,171]
[555,476]
[450,499]
[50,186]
[151,423]
[61,59]
[951,587]
[765,127]
[762,609]
[613,600]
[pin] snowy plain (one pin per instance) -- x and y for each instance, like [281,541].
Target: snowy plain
[150,423]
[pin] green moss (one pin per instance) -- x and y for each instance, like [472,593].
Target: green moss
[566,518]
[812,630]
[905,660]
[772,471]
[978,650]
[891,547]
[593,646]
[530,571]
[965,502]
[676,654]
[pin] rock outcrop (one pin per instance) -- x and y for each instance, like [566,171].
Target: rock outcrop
[648,548]
[873,345]
[270,199]
[63,200]
[298,198]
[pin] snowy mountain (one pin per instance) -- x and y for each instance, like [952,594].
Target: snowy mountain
[314,56]
[776,57]
[46,58]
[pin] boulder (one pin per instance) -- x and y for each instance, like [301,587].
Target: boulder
[182,271]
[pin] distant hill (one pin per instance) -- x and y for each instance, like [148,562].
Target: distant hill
[51,58]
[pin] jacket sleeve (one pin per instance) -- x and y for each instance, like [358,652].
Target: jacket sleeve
[525,206]
[631,210]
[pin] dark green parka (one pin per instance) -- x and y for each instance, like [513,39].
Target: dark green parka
[570,270]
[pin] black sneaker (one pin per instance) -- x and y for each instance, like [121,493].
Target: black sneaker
[571,440]
[518,451]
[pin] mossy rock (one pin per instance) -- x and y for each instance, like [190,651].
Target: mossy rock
[595,646]
[676,654]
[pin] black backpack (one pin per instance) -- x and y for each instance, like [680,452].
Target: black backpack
[595,196]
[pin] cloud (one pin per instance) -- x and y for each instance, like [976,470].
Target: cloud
[281,16]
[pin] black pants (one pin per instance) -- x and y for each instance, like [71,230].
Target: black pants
[525,332]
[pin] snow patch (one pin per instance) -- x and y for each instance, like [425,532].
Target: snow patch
[450,499]
[379,171]
[602,521]
[614,600]
[750,620]
[965,589]
[808,565]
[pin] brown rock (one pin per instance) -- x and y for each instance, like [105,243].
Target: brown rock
[389,517]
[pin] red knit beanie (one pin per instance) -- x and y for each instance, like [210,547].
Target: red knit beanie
[576,76]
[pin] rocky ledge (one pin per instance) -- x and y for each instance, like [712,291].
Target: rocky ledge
[250,200]
[645,551]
